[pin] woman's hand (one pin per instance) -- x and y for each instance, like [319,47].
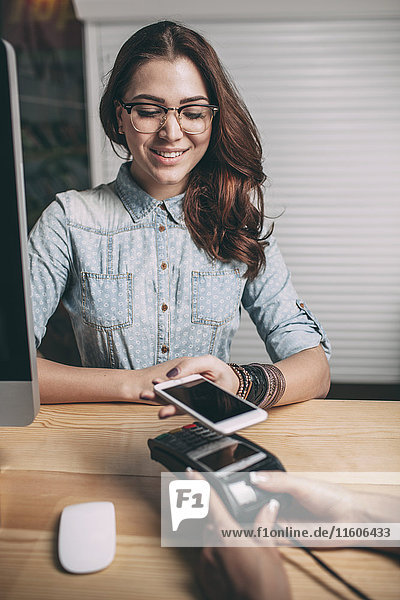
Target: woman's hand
[324,500]
[250,572]
[139,383]
[209,366]
[328,501]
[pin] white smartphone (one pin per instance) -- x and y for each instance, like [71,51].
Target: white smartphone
[210,404]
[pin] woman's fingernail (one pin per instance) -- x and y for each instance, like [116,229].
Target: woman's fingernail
[256,477]
[273,505]
[189,469]
[172,372]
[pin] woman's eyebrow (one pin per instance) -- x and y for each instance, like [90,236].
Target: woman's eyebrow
[193,99]
[148,97]
[162,100]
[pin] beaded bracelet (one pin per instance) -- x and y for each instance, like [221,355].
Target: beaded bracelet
[245,381]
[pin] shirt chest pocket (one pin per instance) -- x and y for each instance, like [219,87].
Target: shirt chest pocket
[107,300]
[215,296]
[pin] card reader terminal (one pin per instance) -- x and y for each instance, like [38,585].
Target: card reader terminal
[230,459]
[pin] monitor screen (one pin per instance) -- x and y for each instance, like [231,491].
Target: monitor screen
[19,397]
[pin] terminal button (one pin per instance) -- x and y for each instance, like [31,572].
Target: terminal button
[243,493]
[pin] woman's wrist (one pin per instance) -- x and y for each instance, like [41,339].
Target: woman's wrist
[244,378]
[124,384]
[236,381]
[275,387]
[259,389]
[263,385]
[135,385]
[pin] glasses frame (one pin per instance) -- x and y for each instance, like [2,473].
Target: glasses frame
[129,105]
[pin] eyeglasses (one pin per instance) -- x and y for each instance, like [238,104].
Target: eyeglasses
[150,118]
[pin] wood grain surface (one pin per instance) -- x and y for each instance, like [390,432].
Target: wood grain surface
[78,453]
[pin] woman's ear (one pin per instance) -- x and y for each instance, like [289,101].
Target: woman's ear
[118,112]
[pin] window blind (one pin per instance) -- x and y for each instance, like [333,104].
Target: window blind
[325,96]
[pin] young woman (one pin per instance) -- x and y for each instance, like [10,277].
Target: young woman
[154,267]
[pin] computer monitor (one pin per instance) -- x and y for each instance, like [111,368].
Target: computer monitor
[19,393]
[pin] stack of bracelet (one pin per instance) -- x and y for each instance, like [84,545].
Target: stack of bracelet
[245,380]
[263,385]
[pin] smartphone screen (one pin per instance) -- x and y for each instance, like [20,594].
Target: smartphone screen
[208,400]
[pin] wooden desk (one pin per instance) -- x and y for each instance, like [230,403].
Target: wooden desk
[79,453]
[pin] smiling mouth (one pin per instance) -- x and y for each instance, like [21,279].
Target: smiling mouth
[168,154]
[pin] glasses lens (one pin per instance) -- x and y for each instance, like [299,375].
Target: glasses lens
[196,119]
[147,118]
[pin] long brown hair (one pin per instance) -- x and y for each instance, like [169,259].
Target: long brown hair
[223,204]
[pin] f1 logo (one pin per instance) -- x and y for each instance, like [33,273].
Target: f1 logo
[188,500]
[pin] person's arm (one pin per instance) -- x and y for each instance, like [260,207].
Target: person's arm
[333,502]
[330,501]
[294,339]
[307,375]
[250,572]
[60,383]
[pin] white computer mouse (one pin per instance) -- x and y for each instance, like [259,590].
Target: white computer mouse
[86,537]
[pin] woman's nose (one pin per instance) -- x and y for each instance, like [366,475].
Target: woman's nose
[171,129]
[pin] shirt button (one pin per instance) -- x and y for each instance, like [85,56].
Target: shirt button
[164,266]
[163,207]
[301,304]
[161,228]
[164,349]
[164,307]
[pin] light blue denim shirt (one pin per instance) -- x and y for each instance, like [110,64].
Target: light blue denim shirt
[140,292]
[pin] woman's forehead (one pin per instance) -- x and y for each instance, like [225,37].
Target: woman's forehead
[167,80]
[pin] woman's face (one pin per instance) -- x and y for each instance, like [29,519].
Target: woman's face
[170,84]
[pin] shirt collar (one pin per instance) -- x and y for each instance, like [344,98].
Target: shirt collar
[138,202]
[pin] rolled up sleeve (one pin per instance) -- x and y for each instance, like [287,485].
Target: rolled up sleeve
[49,259]
[283,320]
